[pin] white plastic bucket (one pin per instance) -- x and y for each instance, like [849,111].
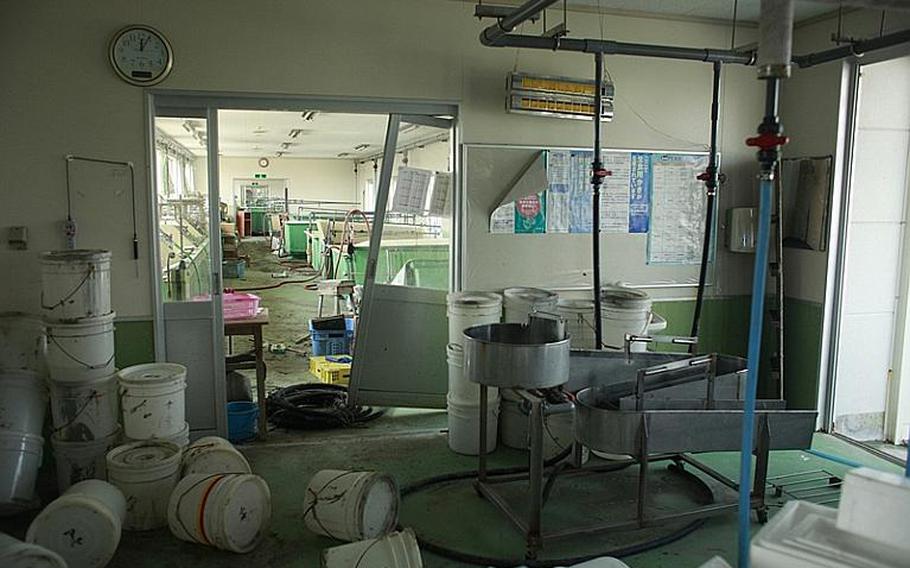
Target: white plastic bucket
[152,399]
[396,550]
[579,316]
[80,460]
[23,400]
[467,309]
[461,390]
[558,431]
[519,303]
[227,511]
[464,427]
[75,284]
[624,311]
[17,554]
[212,454]
[83,525]
[20,458]
[81,351]
[23,343]
[351,505]
[146,473]
[87,411]
[181,438]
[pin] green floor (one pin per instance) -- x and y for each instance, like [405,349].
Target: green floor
[411,445]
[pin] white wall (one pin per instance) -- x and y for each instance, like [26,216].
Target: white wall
[328,179]
[425,49]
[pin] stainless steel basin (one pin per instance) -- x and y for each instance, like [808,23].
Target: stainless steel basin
[513,355]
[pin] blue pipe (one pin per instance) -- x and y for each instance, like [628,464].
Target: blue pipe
[834,458]
[759,280]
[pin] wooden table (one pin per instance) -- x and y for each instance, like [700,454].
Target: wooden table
[253,326]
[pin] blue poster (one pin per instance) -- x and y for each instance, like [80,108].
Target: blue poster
[640,193]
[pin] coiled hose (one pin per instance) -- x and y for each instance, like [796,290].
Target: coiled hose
[315,406]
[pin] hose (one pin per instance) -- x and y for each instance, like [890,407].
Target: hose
[316,406]
[508,563]
[278,285]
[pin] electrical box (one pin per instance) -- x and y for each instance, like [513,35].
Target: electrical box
[742,225]
[17,238]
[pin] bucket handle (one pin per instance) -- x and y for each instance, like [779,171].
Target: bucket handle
[91,398]
[77,360]
[62,301]
[311,510]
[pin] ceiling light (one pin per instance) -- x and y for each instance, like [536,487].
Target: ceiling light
[188,127]
[295,132]
[360,147]
[309,115]
[285,145]
[408,128]
[344,154]
[279,154]
[259,131]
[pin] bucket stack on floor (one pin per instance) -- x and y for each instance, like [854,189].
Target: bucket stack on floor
[23,400]
[76,299]
[153,402]
[360,507]
[467,309]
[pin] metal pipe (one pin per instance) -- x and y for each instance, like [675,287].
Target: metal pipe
[710,178]
[492,35]
[596,180]
[622,48]
[857,49]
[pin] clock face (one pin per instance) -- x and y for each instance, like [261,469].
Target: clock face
[141,55]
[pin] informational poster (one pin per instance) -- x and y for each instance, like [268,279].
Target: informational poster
[440,201]
[531,214]
[614,193]
[639,192]
[411,190]
[503,219]
[677,209]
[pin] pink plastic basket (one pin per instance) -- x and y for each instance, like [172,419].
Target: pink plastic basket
[238,306]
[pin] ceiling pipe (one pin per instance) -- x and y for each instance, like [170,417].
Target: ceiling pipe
[857,49]
[492,35]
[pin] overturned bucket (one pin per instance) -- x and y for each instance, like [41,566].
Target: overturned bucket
[351,505]
[396,550]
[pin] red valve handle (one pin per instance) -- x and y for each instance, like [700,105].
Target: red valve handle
[767,141]
[603,173]
[703,176]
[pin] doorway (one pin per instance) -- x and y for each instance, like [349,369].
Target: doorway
[289,204]
[871,395]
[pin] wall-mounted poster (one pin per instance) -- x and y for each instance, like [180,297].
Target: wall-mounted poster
[531,214]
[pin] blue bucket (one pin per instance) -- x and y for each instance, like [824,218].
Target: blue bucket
[242,417]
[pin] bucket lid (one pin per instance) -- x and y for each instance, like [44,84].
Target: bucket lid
[244,512]
[478,299]
[144,456]
[379,509]
[152,374]
[24,555]
[79,527]
[78,255]
[530,295]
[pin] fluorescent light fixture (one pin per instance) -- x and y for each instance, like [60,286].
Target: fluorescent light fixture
[408,128]
[560,97]
[360,147]
[285,145]
[295,132]
[344,155]
[309,115]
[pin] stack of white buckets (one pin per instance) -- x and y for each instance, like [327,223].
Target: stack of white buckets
[85,410]
[23,400]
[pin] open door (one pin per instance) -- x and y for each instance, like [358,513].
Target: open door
[400,353]
[188,262]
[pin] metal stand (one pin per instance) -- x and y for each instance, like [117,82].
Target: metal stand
[531,526]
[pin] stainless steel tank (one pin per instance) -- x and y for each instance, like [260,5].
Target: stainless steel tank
[512,355]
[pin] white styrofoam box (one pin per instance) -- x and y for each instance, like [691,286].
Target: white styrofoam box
[716,562]
[805,535]
[876,505]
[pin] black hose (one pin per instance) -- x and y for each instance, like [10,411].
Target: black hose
[479,560]
[316,406]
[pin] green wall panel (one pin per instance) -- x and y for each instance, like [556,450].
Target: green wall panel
[134,343]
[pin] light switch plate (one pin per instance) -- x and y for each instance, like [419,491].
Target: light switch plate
[17,237]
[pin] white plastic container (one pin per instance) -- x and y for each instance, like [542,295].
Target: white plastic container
[396,550]
[17,554]
[874,504]
[81,351]
[23,400]
[464,427]
[227,511]
[75,284]
[23,343]
[146,473]
[152,400]
[558,432]
[351,505]
[624,310]
[212,454]
[78,461]
[85,411]
[20,458]
[461,390]
[467,309]
[579,316]
[83,525]
[519,303]
[181,438]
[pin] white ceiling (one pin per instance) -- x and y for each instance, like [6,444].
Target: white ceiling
[255,134]
[747,10]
